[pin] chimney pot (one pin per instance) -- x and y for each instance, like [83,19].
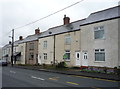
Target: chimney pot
[9,42]
[37,31]
[66,20]
[20,37]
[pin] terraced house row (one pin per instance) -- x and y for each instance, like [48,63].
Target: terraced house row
[93,41]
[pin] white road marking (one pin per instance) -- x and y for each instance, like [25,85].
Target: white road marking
[37,78]
[42,69]
[54,78]
[12,72]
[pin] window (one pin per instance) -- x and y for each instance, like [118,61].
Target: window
[45,44]
[9,51]
[31,56]
[14,49]
[66,55]
[45,56]
[99,55]
[21,48]
[67,39]
[99,32]
[31,46]
[85,55]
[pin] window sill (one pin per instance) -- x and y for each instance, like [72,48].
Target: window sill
[99,39]
[31,49]
[99,61]
[67,60]
[67,44]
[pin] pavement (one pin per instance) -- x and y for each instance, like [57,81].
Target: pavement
[115,77]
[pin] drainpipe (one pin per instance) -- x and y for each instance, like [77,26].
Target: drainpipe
[54,52]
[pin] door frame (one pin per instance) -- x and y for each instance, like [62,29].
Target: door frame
[76,58]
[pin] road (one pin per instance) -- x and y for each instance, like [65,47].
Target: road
[17,77]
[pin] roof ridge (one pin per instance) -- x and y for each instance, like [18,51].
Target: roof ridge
[69,23]
[105,9]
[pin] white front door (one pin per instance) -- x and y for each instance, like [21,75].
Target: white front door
[85,59]
[77,56]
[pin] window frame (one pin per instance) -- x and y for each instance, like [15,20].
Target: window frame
[45,56]
[44,44]
[98,51]
[68,53]
[31,46]
[30,56]
[67,39]
[99,28]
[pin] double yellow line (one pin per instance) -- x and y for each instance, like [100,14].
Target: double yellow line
[72,83]
[95,78]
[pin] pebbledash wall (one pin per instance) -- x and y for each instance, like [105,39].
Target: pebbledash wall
[109,43]
[22,49]
[47,51]
[72,48]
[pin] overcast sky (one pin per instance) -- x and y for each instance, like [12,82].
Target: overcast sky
[16,13]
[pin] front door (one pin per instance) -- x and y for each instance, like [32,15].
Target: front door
[85,59]
[77,58]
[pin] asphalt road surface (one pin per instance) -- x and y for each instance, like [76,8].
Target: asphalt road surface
[16,77]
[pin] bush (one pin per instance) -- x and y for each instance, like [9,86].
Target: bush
[75,67]
[116,70]
[61,65]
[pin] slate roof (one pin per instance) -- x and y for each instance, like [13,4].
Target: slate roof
[93,17]
[30,38]
[62,29]
[74,26]
[103,15]
[16,42]
[7,45]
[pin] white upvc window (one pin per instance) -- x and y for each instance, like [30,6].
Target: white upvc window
[99,32]
[66,56]
[67,40]
[99,54]
[45,56]
[9,51]
[45,44]
[31,46]
[21,48]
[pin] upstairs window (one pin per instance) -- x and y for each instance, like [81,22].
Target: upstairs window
[31,47]
[99,54]
[99,32]
[21,48]
[67,40]
[45,44]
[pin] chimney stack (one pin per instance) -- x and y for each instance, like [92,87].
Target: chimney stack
[20,37]
[66,20]
[37,31]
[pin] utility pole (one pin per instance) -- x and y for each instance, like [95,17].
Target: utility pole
[12,47]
